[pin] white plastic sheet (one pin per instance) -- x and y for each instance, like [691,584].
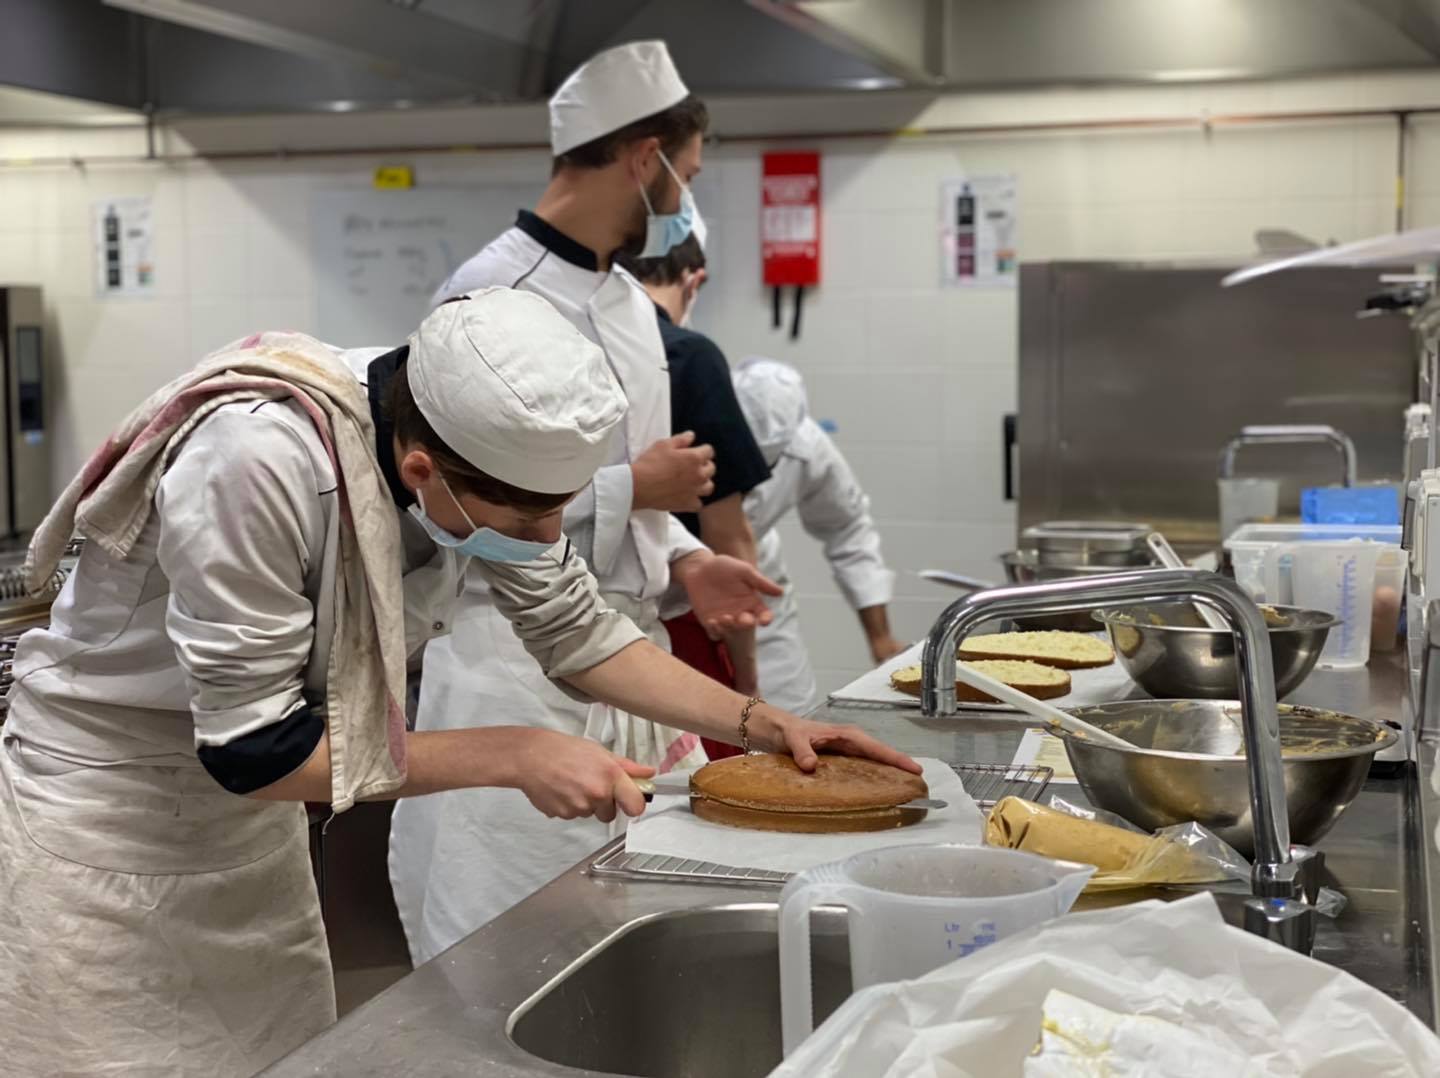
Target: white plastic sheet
[979,1017]
[672,830]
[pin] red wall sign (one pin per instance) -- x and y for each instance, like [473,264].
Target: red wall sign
[790,219]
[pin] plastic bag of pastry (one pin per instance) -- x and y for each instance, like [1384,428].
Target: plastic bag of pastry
[1202,843]
[1080,1039]
[1156,968]
[1125,857]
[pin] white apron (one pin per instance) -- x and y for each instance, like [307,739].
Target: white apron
[461,858]
[195,912]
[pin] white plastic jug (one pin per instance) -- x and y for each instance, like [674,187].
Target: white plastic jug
[913,909]
[1338,578]
[1243,501]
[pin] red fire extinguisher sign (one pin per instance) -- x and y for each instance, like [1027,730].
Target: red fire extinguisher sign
[790,219]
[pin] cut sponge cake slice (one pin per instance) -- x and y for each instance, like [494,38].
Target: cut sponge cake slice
[1033,679]
[1068,651]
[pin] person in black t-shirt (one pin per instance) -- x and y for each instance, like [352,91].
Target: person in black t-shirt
[702,399]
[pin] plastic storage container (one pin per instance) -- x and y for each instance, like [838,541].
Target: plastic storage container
[913,909]
[1339,568]
[1251,543]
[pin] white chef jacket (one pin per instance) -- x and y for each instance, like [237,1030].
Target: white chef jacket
[629,550]
[812,477]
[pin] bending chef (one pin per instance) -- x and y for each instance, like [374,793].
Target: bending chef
[269,537]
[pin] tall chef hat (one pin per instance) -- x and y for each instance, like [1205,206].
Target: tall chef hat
[611,89]
[516,390]
[772,396]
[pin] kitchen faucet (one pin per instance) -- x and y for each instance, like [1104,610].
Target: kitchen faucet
[1275,876]
[1291,434]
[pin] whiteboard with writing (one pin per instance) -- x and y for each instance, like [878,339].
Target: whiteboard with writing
[380,255]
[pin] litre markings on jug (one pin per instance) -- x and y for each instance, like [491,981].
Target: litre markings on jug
[984,934]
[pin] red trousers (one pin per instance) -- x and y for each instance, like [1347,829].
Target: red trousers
[693,646]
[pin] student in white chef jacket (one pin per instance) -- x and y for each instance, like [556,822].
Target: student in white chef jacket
[626,135]
[809,475]
[233,642]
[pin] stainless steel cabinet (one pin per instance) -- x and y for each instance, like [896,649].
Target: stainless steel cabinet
[1134,375]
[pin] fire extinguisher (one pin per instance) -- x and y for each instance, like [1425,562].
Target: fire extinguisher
[790,228]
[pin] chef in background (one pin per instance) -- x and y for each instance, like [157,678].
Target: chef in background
[626,135]
[702,399]
[809,475]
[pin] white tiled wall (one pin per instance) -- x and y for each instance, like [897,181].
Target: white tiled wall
[915,377]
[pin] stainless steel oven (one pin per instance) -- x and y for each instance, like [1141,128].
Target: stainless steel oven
[24,433]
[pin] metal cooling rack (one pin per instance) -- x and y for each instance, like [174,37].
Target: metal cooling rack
[986,783]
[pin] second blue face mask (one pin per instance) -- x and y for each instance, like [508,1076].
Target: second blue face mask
[484,543]
[666,230]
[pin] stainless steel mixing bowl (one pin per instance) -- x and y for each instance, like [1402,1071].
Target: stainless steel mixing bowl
[1025,567]
[1182,767]
[1170,652]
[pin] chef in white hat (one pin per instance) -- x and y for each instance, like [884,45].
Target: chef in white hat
[809,475]
[232,643]
[626,135]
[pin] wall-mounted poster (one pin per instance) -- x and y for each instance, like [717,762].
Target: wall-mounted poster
[977,232]
[124,241]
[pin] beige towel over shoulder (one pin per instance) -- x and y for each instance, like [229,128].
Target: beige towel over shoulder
[112,498]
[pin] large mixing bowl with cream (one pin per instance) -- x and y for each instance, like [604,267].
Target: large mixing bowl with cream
[1185,764]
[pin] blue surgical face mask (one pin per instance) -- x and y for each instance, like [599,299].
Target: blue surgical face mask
[484,543]
[666,230]
[689,310]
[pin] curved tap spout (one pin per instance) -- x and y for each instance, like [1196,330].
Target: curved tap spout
[1274,873]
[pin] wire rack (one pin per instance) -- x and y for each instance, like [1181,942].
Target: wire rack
[13,589]
[986,783]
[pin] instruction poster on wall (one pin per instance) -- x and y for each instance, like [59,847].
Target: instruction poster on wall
[978,232]
[124,240]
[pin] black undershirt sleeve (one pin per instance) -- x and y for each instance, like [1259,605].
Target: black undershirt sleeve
[702,399]
[255,760]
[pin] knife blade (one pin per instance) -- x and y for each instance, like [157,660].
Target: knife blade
[661,788]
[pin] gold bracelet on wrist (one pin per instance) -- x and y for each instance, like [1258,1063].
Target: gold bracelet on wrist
[745,722]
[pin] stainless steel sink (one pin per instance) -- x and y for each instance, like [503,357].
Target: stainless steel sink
[690,994]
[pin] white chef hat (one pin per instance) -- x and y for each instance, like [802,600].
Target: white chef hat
[516,390]
[772,396]
[611,89]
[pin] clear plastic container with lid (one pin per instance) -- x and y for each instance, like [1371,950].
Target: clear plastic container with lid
[1356,572]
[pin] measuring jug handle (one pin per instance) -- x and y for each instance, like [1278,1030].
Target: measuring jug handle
[1271,572]
[815,887]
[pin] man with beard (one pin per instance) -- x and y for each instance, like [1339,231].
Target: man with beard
[626,136]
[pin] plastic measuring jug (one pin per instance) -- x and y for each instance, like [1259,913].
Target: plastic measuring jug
[913,909]
[1245,500]
[1336,577]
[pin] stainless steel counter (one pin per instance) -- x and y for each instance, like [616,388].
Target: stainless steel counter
[453,1015]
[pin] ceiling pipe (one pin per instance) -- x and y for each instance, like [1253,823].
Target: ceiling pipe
[943,131]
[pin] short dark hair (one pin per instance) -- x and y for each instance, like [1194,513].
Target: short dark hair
[412,428]
[674,127]
[671,267]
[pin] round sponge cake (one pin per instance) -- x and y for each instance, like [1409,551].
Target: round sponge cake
[769,792]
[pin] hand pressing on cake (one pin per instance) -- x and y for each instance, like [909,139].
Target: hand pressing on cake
[805,739]
[646,681]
